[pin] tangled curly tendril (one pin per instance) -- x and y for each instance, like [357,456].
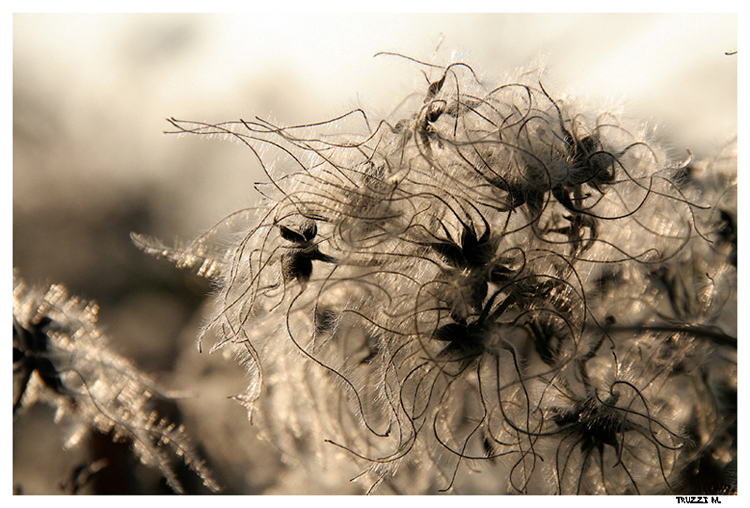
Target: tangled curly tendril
[487,278]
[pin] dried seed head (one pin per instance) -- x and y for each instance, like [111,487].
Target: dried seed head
[485,276]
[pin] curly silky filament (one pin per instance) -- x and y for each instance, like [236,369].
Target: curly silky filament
[489,281]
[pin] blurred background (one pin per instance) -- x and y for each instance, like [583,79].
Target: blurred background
[91,163]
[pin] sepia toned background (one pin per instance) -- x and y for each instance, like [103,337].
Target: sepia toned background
[91,163]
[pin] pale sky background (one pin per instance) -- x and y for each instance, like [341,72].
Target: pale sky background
[93,90]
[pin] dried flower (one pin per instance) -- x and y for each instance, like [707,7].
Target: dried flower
[491,277]
[61,358]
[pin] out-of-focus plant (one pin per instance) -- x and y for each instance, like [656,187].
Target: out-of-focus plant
[61,358]
[491,279]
